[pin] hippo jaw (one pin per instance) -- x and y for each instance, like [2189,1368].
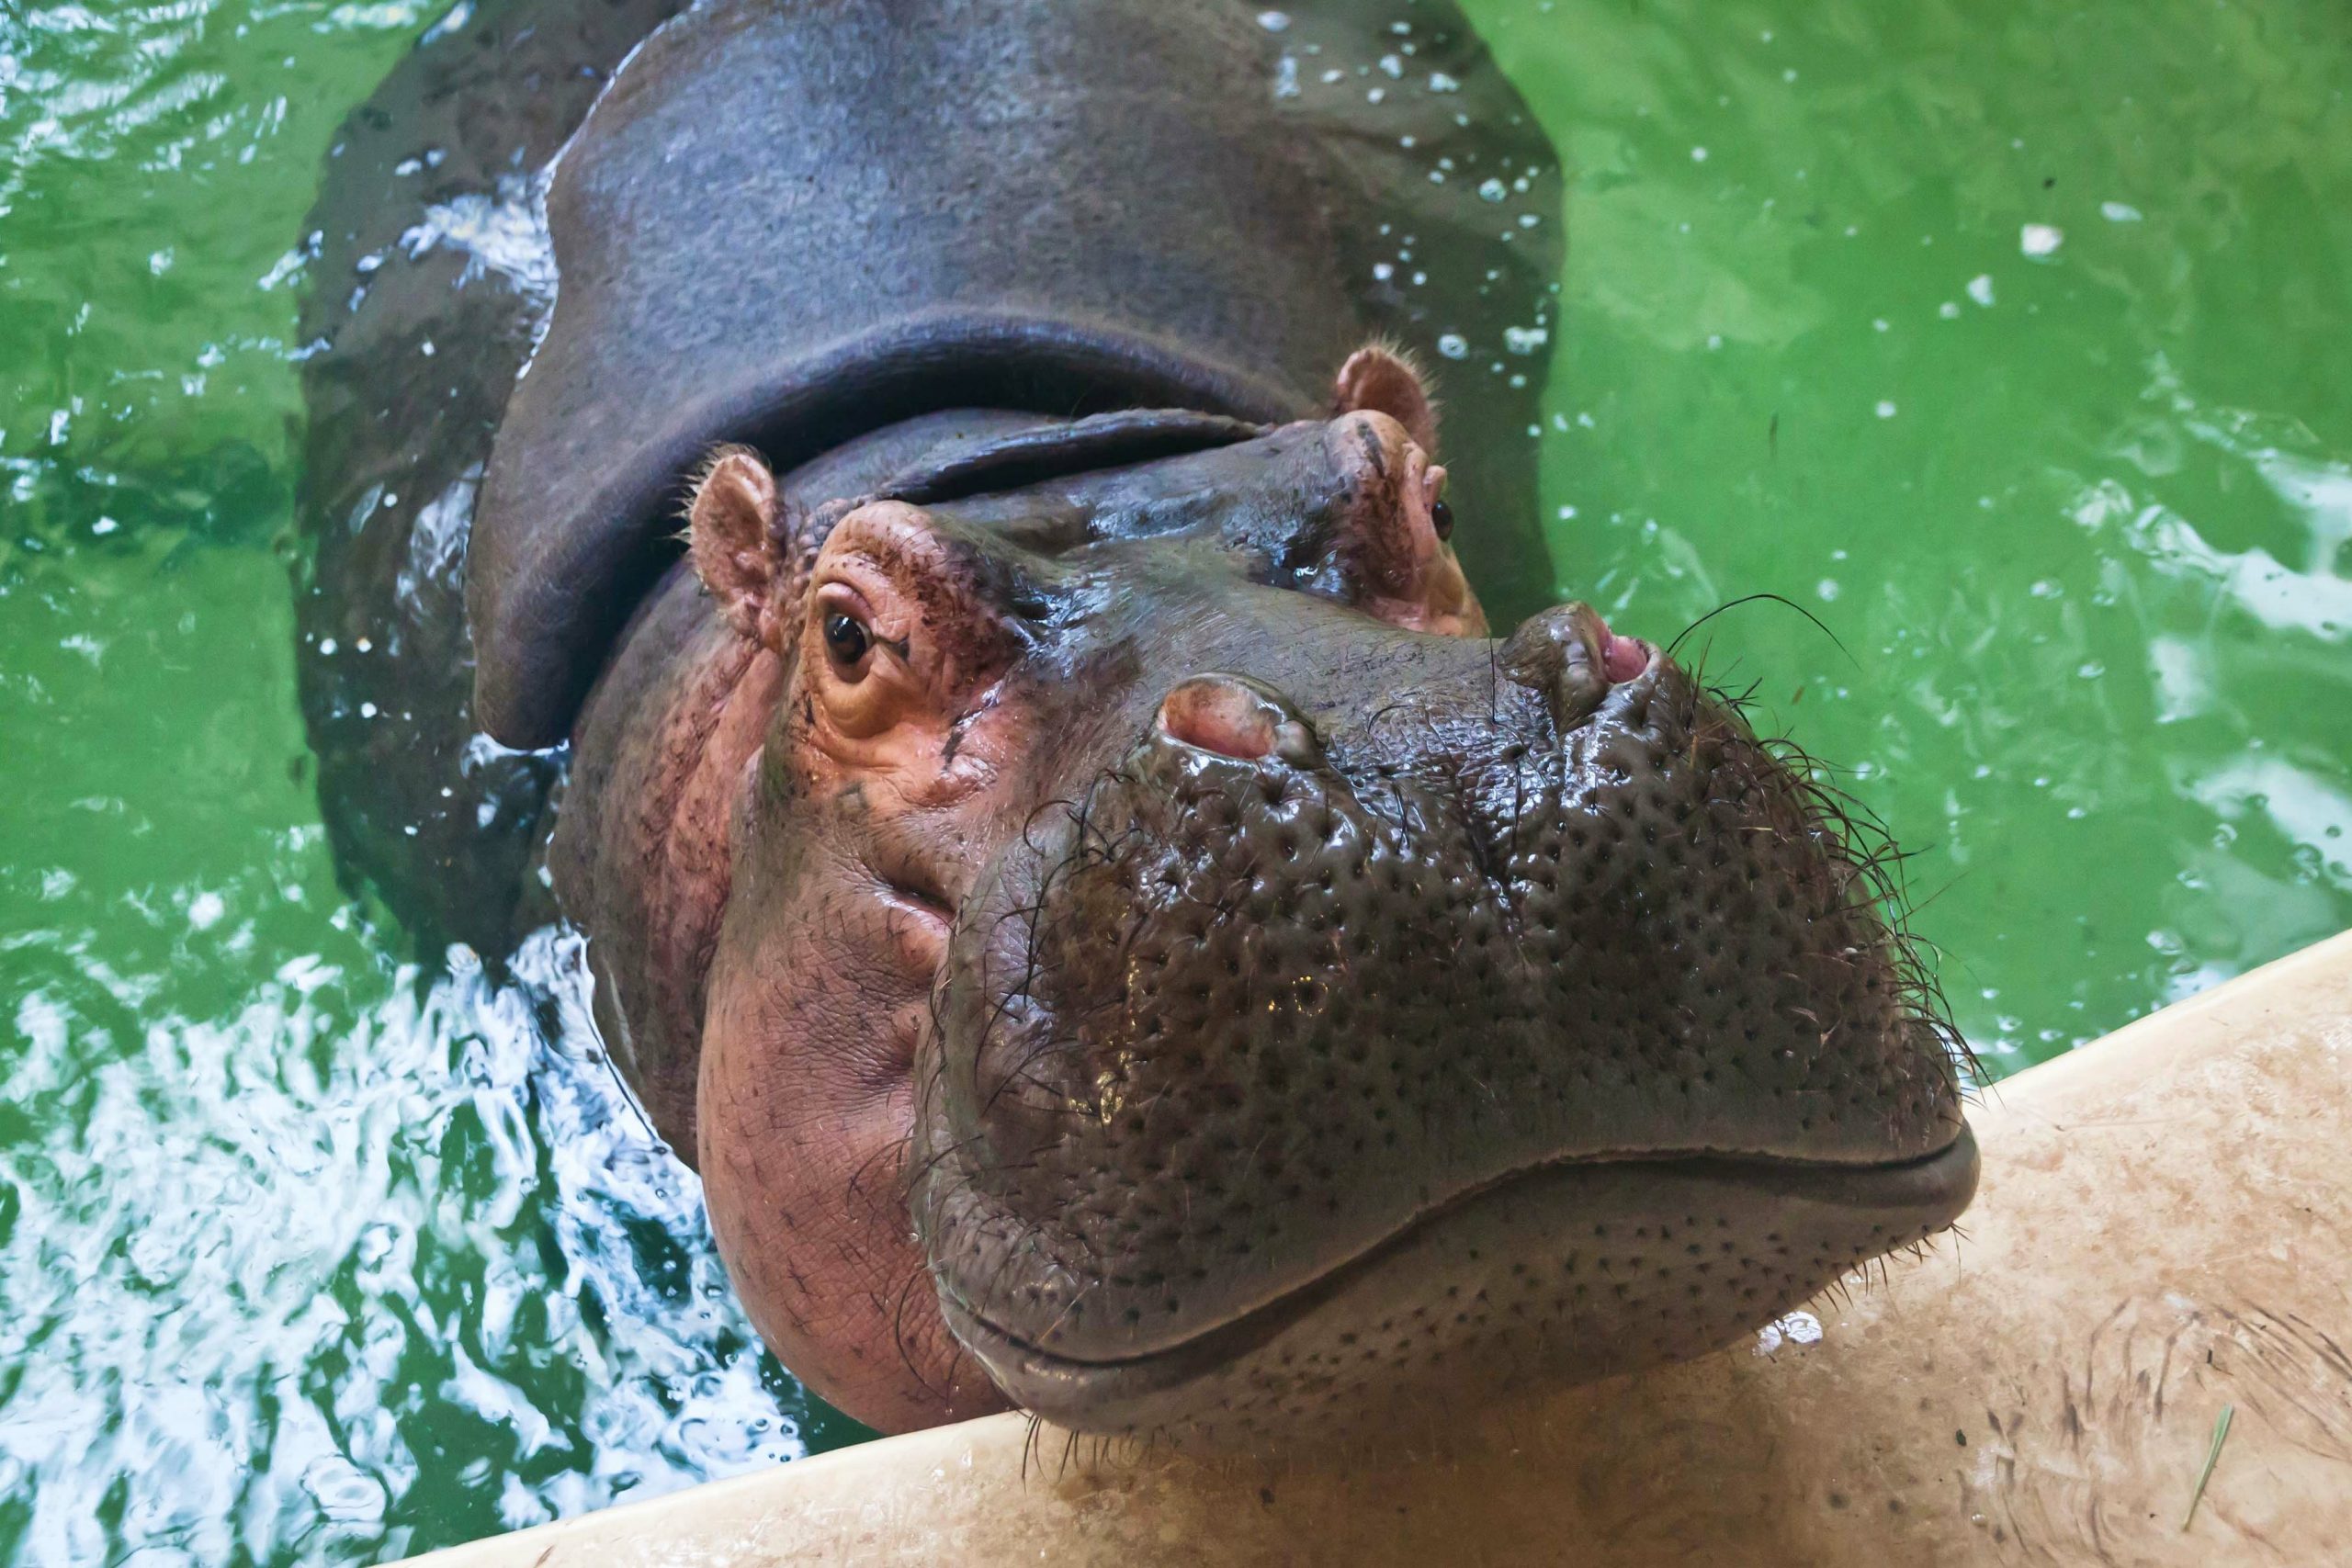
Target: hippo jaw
[1270,1084]
[1546,1277]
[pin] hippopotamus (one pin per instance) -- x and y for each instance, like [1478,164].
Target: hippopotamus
[925,532]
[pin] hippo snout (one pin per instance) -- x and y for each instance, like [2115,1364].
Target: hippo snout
[1524,1019]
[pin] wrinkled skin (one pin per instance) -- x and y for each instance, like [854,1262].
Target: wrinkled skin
[1168,968]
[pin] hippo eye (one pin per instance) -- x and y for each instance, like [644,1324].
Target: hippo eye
[846,638]
[1442,519]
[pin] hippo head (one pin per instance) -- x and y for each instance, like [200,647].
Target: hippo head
[1184,973]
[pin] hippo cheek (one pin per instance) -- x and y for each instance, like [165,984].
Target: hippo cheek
[807,1099]
[1267,1087]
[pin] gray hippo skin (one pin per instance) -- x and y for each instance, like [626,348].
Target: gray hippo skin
[1057,846]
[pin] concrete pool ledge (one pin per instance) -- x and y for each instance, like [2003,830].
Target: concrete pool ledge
[2164,1231]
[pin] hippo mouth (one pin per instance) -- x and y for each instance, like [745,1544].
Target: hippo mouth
[1565,1271]
[1300,1072]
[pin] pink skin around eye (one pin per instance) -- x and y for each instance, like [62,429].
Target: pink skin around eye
[1422,492]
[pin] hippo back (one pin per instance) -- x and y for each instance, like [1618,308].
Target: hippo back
[793,224]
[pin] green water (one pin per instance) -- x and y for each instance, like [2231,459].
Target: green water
[306,1254]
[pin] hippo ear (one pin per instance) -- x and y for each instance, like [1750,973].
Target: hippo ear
[1383,378]
[731,530]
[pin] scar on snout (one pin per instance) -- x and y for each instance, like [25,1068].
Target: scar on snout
[956,731]
[1373,452]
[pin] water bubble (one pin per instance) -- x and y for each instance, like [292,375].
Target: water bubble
[1493,190]
[2040,239]
[1980,289]
[1796,1328]
[2118,212]
[1274,21]
[1454,345]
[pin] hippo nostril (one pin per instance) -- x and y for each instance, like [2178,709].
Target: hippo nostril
[1570,654]
[1220,714]
[1233,717]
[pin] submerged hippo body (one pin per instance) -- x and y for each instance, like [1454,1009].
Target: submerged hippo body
[1057,845]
